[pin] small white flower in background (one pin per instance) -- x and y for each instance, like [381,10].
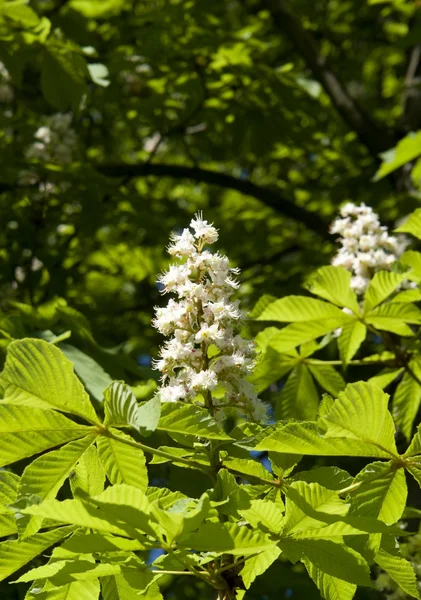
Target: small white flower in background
[366,245]
[56,141]
[206,353]
[6,90]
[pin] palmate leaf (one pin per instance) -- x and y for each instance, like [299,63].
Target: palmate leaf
[189,420]
[415,445]
[9,483]
[296,334]
[125,587]
[412,259]
[123,463]
[356,424]
[45,475]
[63,572]
[120,405]
[327,377]
[380,287]
[333,284]
[227,538]
[413,223]
[400,570]
[95,379]
[334,559]
[36,374]
[360,413]
[299,398]
[265,513]
[39,430]
[88,477]
[14,554]
[382,493]
[89,543]
[407,399]
[78,590]
[352,336]
[271,367]
[394,317]
[331,588]
[120,509]
[300,308]
[256,565]
[301,497]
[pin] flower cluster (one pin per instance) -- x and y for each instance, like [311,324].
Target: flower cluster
[6,90]
[56,141]
[206,360]
[366,246]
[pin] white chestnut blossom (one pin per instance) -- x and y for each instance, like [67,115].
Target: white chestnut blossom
[56,141]
[366,245]
[6,89]
[206,361]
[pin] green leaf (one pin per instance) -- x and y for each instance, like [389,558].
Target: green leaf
[39,430]
[412,295]
[265,513]
[14,554]
[45,475]
[88,477]
[331,588]
[270,367]
[227,538]
[297,334]
[412,259]
[189,420]
[413,223]
[351,337]
[327,377]
[37,374]
[400,570]
[334,284]
[333,559]
[123,463]
[91,543]
[385,377]
[62,572]
[394,318]
[247,467]
[90,372]
[407,399]
[148,415]
[9,484]
[78,590]
[120,509]
[299,398]
[332,478]
[261,304]
[360,413]
[256,565]
[382,493]
[308,438]
[120,406]
[380,287]
[405,150]
[63,76]
[125,587]
[300,308]
[415,445]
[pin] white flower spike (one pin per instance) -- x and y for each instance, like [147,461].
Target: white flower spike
[366,246]
[205,353]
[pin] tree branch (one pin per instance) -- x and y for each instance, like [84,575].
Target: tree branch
[270,198]
[374,137]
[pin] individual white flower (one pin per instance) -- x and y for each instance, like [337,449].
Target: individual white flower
[56,142]
[366,245]
[6,90]
[206,351]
